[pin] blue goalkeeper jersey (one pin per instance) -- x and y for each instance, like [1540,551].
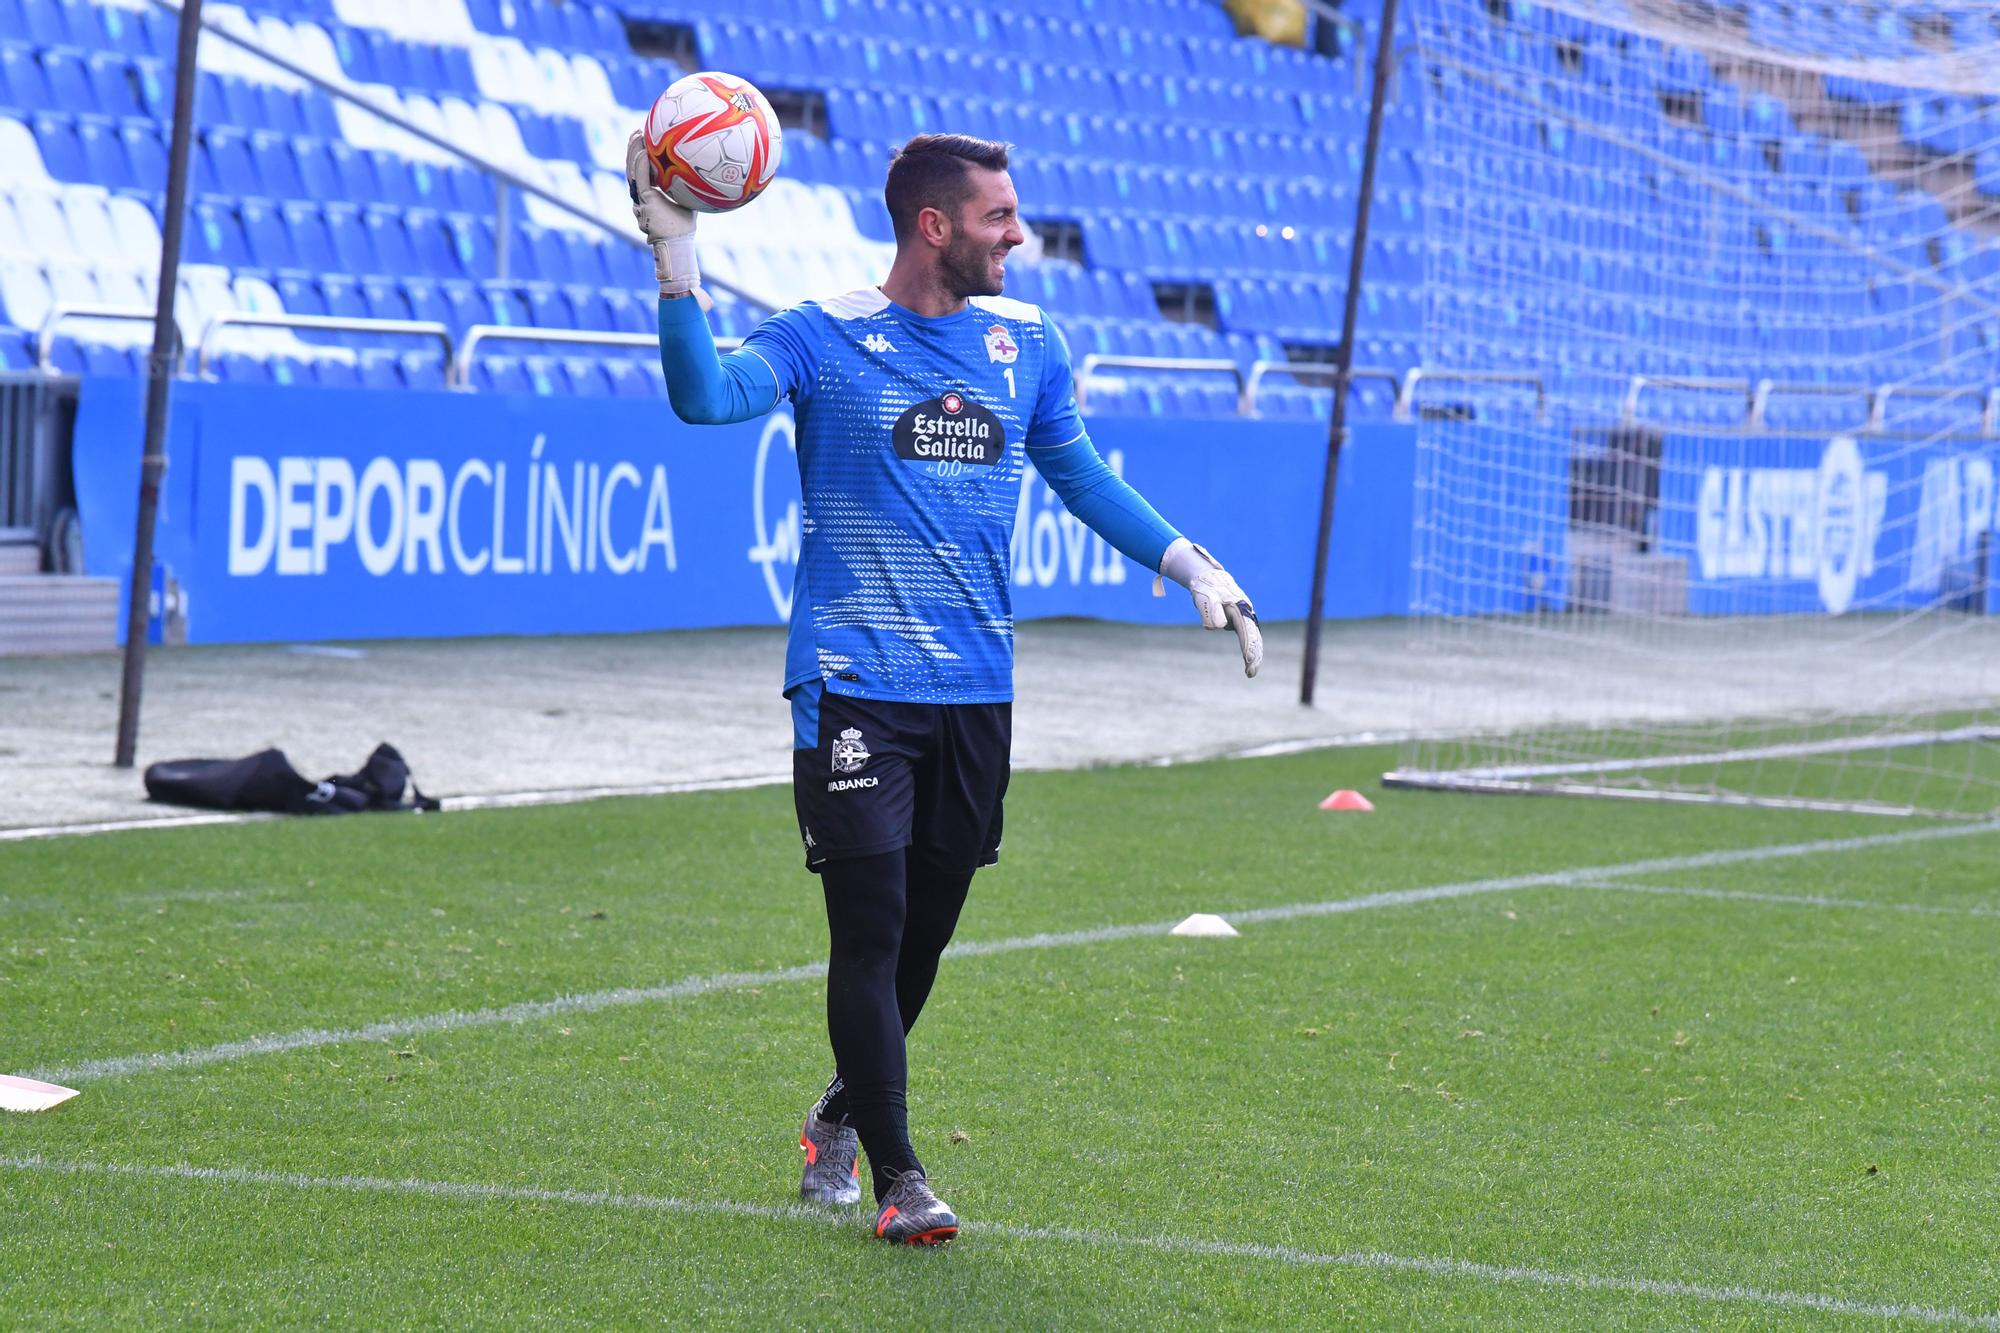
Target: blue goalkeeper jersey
[911,434]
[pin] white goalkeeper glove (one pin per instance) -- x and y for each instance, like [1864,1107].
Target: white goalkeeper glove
[668,227]
[1217,599]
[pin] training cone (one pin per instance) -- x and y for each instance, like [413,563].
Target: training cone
[1346,800]
[1204,923]
[26,1094]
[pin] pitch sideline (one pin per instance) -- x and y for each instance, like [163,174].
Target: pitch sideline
[1367,1260]
[689,987]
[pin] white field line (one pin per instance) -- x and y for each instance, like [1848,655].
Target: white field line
[1368,1260]
[1788,899]
[688,987]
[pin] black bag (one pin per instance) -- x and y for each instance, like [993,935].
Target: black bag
[267,781]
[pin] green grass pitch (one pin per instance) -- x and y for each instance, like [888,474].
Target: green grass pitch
[1745,1091]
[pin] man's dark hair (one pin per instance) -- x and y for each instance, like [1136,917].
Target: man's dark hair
[932,171]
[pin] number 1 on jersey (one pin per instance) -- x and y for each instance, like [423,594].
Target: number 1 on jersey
[1008,371]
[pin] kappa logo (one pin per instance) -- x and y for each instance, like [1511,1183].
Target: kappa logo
[878,344]
[849,754]
[1000,347]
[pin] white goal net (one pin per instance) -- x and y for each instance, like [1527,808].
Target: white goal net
[1710,413]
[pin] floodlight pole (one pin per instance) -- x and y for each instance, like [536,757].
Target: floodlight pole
[159,379]
[1344,355]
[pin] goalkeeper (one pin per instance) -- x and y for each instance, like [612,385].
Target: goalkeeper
[918,403]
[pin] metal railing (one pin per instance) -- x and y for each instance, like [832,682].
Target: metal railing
[461,368]
[1246,403]
[1091,364]
[1878,403]
[1628,413]
[1767,389]
[1406,400]
[416,328]
[63,311]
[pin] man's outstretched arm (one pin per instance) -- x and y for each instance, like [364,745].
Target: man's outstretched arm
[706,389]
[1110,507]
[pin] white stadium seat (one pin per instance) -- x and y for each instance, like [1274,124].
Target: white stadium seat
[21,157]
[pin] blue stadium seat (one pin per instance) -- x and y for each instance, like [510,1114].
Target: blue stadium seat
[587,308]
[545,375]
[231,169]
[62,151]
[103,154]
[385,299]
[282,111]
[586,376]
[425,301]
[380,369]
[241,368]
[312,243]
[632,377]
[502,374]
[547,308]
[388,240]
[122,31]
[352,248]
[465,302]
[288,370]
[215,235]
[423,370]
[337,374]
[342,296]
[268,238]
[300,292]
[276,168]
[111,84]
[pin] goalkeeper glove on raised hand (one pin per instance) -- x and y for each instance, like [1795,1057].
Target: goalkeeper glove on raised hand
[1220,603]
[668,227]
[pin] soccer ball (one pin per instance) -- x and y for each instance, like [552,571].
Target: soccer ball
[714,142]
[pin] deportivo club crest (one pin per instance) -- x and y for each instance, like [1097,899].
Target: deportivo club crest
[849,754]
[999,347]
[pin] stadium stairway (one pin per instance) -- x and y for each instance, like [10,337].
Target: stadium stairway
[52,613]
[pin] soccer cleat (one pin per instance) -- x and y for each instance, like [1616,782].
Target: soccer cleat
[831,1175]
[912,1215]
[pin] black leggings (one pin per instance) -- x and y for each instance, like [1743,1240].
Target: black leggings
[890,916]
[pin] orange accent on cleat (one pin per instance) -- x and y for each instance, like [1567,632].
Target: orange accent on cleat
[882,1222]
[812,1152]
[935,1236]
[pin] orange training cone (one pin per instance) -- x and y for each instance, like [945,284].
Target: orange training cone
[1346,800]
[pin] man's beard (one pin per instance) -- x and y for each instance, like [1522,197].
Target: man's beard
[967,269]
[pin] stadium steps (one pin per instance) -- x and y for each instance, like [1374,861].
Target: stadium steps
[53,613]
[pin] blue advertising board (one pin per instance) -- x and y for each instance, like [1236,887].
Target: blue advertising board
[296,513]
[1805,525]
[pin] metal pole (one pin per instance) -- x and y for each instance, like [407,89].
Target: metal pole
[153,462]
[501,228]
[1316,608]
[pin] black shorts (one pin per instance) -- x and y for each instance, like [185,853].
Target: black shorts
[881,776]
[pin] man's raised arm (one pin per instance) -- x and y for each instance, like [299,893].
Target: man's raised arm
[704,389]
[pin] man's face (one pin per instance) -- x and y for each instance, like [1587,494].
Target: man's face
[974,260]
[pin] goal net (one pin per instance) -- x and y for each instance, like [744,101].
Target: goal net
[1706,442]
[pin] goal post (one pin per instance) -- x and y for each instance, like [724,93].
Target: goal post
[1705,475]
